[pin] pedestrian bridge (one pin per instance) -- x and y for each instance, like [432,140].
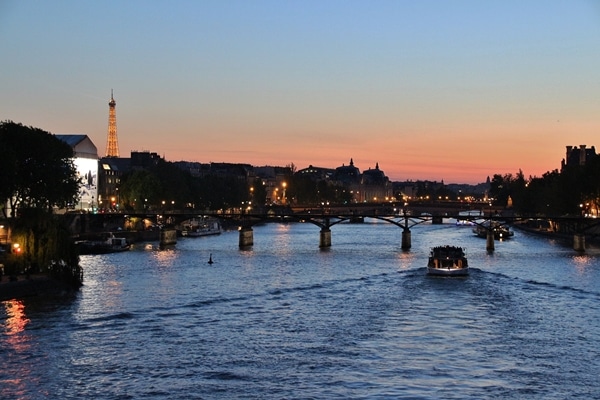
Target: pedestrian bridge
[404,218]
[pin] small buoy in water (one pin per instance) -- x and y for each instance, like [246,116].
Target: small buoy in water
[210,260]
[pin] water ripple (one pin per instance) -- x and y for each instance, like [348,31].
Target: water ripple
[361,320]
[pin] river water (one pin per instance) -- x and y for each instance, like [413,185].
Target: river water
[287,320]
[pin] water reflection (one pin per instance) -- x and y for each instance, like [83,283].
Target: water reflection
[407,259]
[582,264]
[14,327]
[16,320]
[165,257]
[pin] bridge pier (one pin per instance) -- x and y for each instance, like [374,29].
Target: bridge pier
[168,237]
[489,240]
[325,238]
[246,237]
[579,242]
[406,239]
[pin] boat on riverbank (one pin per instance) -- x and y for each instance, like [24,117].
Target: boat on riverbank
[501,232]
[110,245]
[447,261]
[203,227]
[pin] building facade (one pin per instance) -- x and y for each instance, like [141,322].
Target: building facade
[578,155]
[86,163]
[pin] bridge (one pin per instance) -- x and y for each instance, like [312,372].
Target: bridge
[405,217]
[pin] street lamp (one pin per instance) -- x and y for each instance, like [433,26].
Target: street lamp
[16,248]
[283,196]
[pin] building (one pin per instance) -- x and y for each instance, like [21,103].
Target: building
[578,155]
[347,174]
[316,173]
[375,186]
[86,163]
[112,170]
[369,186]
[110,173]
[274,181]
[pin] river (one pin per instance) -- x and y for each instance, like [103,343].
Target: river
[287,320]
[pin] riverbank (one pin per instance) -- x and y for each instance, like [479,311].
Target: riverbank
[566,239]
[30,286]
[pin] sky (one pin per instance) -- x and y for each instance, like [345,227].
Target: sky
[428,90]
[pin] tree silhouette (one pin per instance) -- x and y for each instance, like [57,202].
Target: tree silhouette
[37,169]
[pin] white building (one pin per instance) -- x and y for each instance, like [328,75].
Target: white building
[86,163]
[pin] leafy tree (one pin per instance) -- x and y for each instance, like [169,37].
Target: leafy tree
[591,183]
[139,186]
[569,190]
[8,174]
[177,185]
[38,169]
[259,193]
[37,174]
[500,188]
[217,192]
[517,188]
[303,189]
[46,247]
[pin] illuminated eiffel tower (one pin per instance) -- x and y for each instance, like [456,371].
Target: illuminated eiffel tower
[112,144]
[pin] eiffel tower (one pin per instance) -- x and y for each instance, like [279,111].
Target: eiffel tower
[112,144]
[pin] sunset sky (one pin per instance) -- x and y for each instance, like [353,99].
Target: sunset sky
[439,90]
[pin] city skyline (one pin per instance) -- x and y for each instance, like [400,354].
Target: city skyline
[454,91]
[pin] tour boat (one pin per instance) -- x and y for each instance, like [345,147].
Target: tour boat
[447,261]
[205,227]
[110,245]
[500,231]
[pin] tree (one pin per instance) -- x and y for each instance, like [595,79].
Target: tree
[258,193]
[140,189]
[37,169]
[46,245]
[37,174]
[500,188]
[592,183]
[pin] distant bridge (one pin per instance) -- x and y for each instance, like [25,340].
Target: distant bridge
[405,217]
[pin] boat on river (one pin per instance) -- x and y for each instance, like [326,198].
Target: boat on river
[447,261]
[203,227]
[500,231]
[110,245]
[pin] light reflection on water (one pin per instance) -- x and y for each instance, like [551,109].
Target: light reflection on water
[16,320]
[18,344]
[285,319]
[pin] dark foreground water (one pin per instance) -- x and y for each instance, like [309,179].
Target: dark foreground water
[286,320]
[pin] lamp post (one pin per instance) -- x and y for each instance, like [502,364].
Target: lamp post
[283,199]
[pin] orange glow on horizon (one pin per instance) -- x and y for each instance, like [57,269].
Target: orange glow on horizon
[454,153]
